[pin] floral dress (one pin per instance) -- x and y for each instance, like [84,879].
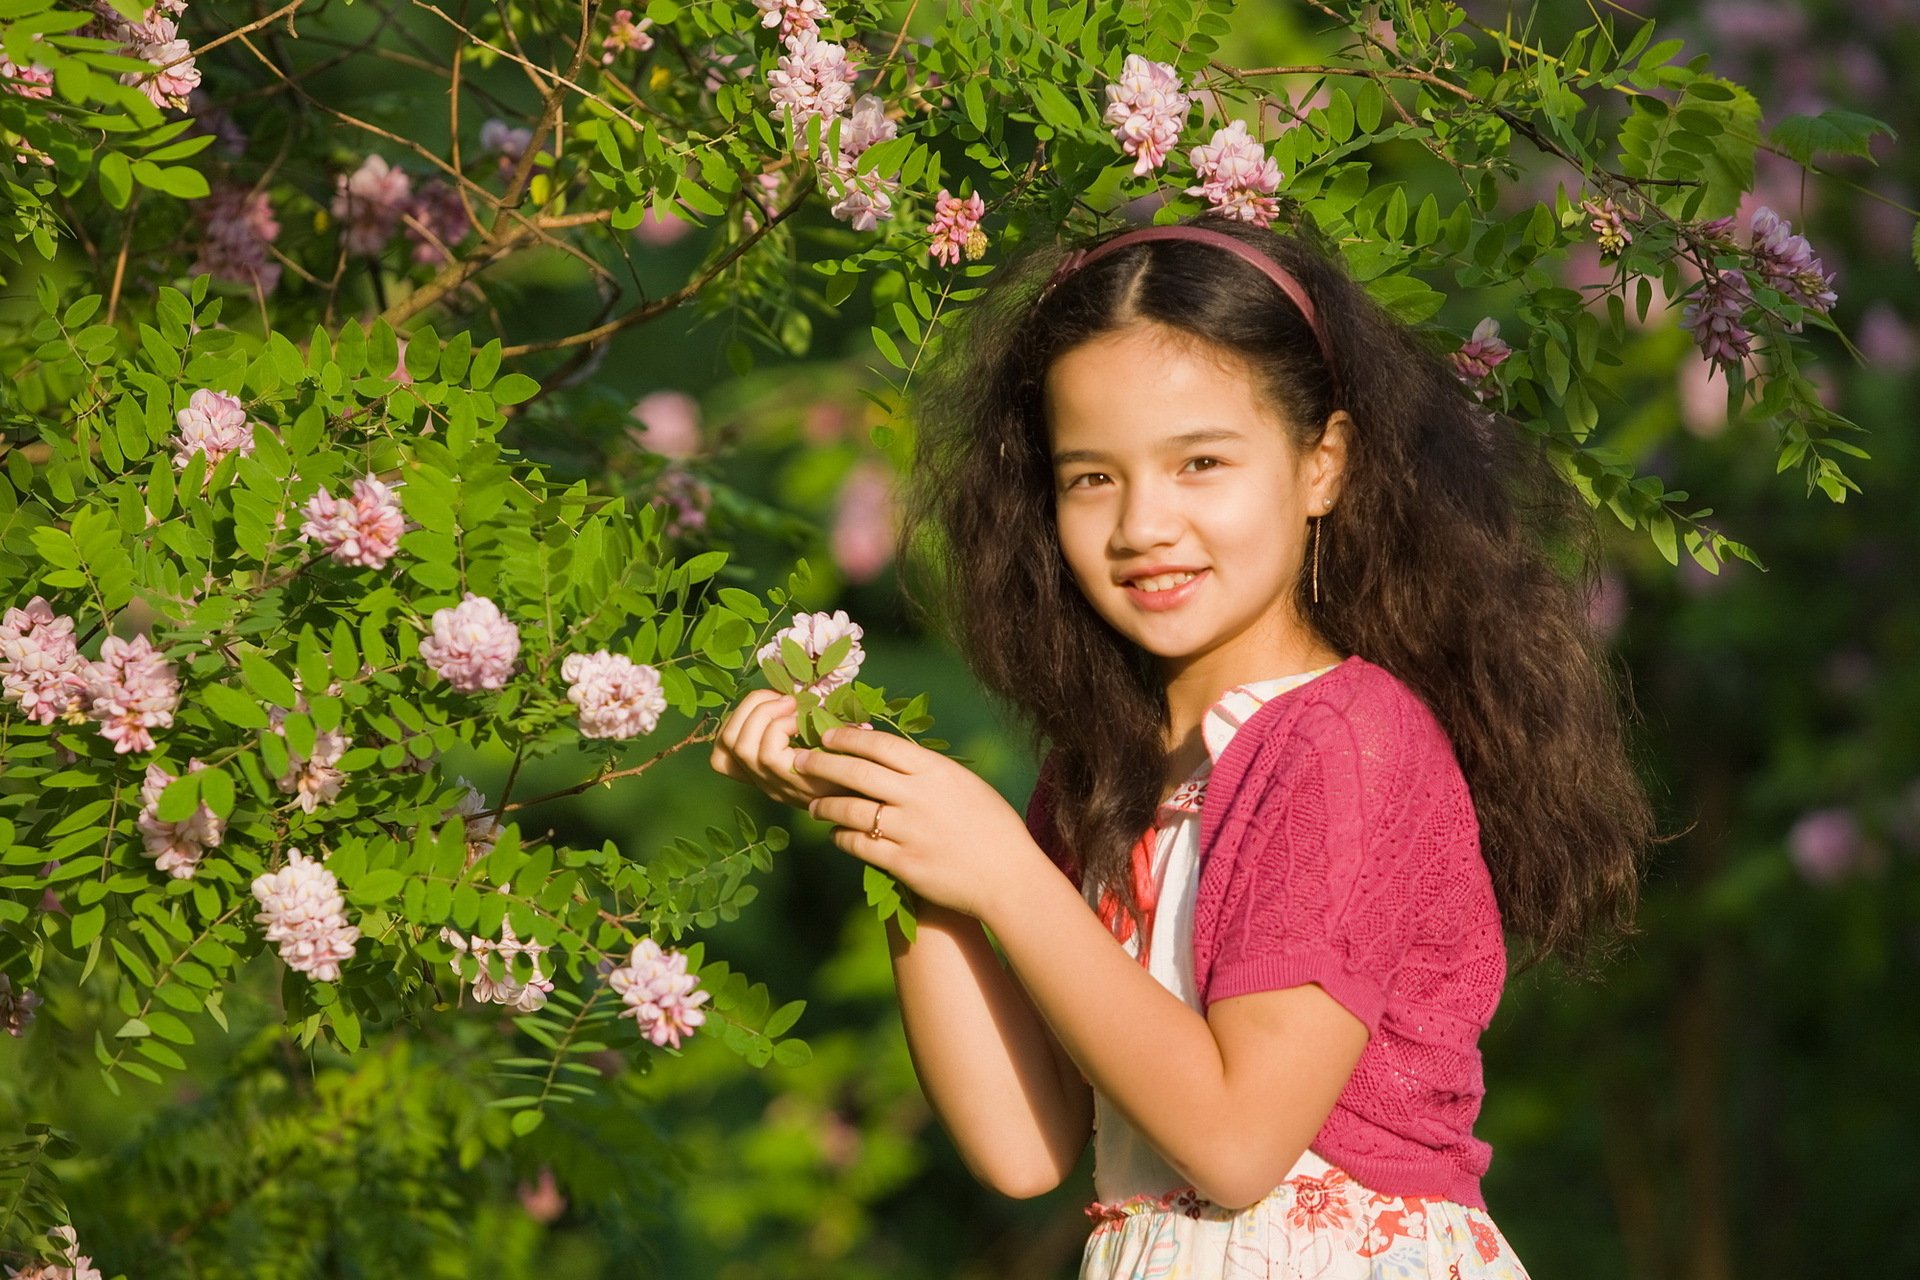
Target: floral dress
[1149,1224]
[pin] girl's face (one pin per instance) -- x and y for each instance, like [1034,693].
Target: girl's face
[1166,464]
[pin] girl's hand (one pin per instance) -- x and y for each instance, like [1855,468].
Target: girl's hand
[755,746]
[944,833]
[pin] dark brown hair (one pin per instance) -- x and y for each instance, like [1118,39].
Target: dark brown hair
[1457,558]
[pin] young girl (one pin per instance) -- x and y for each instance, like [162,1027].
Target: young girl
[1322,718]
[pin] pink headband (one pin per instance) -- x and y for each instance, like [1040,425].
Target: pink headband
[1078,258]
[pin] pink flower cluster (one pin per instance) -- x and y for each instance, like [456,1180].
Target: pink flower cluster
[213,423]
[40,665]
[482,832]
[791,16]
[369,204]
[684,496]
[860,200]
[176,847]
[30,81]
[313,780]
[1237,176]
[131,688]
[1477,358]
[659,993]
[816,633]
[624,34]
[1826,844]
[239,229]
[812,78]
[16,1007]
[669,424]
[302,909]
[526,996]
[154,39]
[364,530]
[1147,109]
[1715,315]
[77,1266]
[864,519]
[1787,262]
[499,138]
[473,645]
[435,221]
[617,697]
[955,228]
[1609,225]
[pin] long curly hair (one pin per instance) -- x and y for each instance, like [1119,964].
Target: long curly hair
[1458,559]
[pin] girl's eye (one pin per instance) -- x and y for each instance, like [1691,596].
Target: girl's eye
[1215,461]
[1090,475]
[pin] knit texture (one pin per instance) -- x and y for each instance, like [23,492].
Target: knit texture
[1338,846]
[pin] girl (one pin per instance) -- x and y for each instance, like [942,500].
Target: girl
[1323,717]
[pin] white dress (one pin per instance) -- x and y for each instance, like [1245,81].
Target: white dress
[1150,1223]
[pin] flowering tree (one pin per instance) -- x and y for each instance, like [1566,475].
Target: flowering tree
[273,545]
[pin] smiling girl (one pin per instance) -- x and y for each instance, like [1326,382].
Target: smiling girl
[1298,627]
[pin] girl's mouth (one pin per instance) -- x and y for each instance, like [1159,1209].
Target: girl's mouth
[1168,598]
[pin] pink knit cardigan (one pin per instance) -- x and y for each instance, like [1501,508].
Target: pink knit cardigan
[1338,846]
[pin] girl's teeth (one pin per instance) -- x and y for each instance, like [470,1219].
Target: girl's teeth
[1162,582]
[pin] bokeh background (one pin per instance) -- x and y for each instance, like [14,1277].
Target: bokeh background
[1730,1096]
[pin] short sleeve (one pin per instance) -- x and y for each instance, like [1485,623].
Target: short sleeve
[1343,853]
[1040,820]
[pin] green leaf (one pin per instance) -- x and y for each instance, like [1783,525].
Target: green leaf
[1838,133]
[515,388]
[267,680]
[175,180]
[232,707]
[180,799]
[116,179]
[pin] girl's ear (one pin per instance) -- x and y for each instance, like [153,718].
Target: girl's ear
[1327,462]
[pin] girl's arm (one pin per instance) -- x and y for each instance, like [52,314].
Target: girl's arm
[1231,1099]
[1005,1092]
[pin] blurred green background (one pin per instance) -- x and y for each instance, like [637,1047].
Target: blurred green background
[1728,1098]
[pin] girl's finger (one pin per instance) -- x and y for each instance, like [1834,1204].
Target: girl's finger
[753,728]
[852,813]
[774,750]
[864,847]
[729,738]
[851,772]
[896,754]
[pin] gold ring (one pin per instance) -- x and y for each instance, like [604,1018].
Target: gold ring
[875,833]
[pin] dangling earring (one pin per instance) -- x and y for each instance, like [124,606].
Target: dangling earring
[1316,559]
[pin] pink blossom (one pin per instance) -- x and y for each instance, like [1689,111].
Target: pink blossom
[482,832]
[955,228]
[1480,355]
[155,39]
[435,221]
[791,15]
[508,142]
[75,1265]
[684,496]
[1787,262]
[670,424]
[473,645]
[1714,316]
[364,530]
[624,34]
[176,847]
[214,423]
[238,230]
[815,633]
[369,204]
[617,697]
[1825,844]
[525,997]
[40,664]
[812,78]
[208,118]
[1886,340]
[313,780]
[30,81]
[861,200]
[1609,225]
[302,909]
[1608,606]
[1703,402]
[131,688]
[861,539]
[16,1007]
[1147,110]
[661,229]
[659,993]
[1237,176]
[542,1199]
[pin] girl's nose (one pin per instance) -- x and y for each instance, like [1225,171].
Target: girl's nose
[1149,517]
